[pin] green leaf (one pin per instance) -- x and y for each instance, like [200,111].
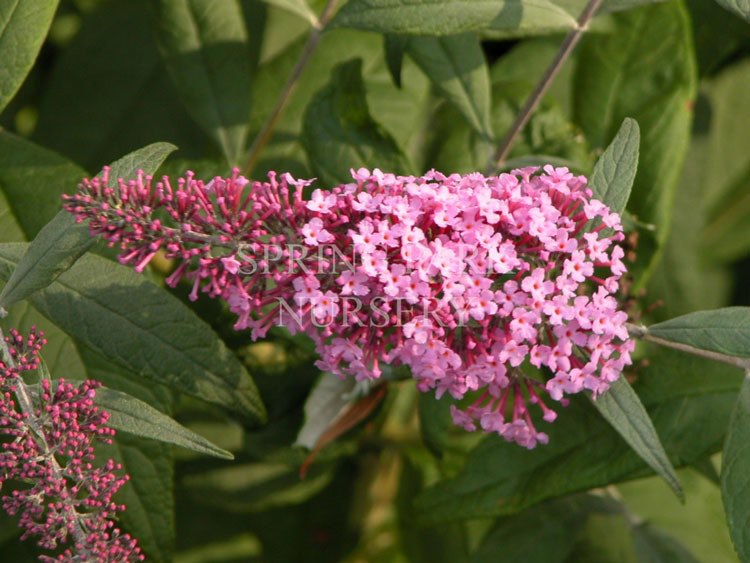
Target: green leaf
[148,159]
[450,17]
[542,534]
[645,70]
[699,524]
[726,331]
[339,133]
[330,396]
[683,280]
[143,329]
[718,37]
[549,132]
[420,544]
[328,513]
[735,473]
[206,49]
[131,415]
[395,49]
[654,546]
[298,7]
[62,241]
[458,69]
[707,468]
[688,400]
[33,179]
[725,174]
[23,27]
[109,93]
[739,7]
[400,111]
[726,236]
[148,495]
[622,408]
[726,162]
[434,422]
[54,250]
[10,230]
[614,172]
[253,487]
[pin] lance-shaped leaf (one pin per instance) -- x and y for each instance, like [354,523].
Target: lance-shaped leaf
[458,69]
[614,172]
[148,159]
[339,133]
[131,415]
[62,241]
[735,473]
[148,495]
[725,331]
[739,7]
[144,329]
[206,49]
[449,17]
[23,27]
[622,408]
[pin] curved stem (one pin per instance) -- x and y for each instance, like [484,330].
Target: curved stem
[264,135]
[536,96]
[641,332]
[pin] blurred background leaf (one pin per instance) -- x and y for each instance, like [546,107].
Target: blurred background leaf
[100,88]
[645,70]
[23,27]
[208,54]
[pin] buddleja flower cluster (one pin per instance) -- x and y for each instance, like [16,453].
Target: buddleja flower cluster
[63,500]
[463,279]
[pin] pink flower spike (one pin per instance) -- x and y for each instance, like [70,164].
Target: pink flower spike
[464,279]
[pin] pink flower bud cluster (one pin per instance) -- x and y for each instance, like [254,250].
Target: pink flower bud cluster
[464,279]
[64,499]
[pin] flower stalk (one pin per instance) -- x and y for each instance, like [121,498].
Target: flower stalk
[566,48]
[641,332]
[266,131]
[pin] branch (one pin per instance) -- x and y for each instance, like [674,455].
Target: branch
[641,332]
[546,81]
[264,135]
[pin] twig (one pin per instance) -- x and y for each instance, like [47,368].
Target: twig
[641,332]
[541,88]
[264,135]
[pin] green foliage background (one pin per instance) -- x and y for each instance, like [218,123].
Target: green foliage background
[403,85]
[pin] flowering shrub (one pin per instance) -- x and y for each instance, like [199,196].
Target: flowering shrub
[67,502]
[434,289]
[461,278]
